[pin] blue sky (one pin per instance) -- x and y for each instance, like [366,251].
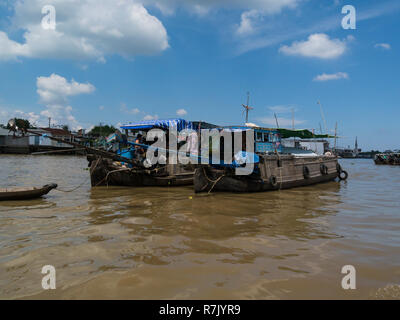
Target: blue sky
[116,63]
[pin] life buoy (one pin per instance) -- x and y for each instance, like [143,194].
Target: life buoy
[273,181]
[338,168]
[324,169]
[306,172]
[346,175]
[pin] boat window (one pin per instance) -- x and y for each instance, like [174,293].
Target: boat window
[259,136]
[274,137]
[266,137]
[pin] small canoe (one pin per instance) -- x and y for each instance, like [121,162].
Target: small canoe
[25,193]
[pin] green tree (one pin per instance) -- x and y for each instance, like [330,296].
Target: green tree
[102,131]
[21,124]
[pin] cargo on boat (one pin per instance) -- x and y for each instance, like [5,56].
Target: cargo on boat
[133,145]
[392,159]
[275,167]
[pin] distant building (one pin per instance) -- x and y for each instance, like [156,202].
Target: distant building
[349,152]
[18,143]
[13,144]
[41,143]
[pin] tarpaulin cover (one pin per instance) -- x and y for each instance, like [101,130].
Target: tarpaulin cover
[179,124]
[303,134]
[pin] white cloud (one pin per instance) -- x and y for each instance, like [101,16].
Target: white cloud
[54,92]
[125,109]
[317,45]
[247,23]
[283,122]
[281,109]
[88,29]
[333,76]
[385,46]
[56,89]
[150,117]
[202,7]
[6,114]
[181,112]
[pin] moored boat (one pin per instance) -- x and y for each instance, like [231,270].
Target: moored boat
[274,167]
[105,171]
[273,172]
[25,193]
[392,159]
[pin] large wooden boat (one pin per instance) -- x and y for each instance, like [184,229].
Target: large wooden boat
[274,172]
[274,168]
[392,159]
[29,193]
[106,171]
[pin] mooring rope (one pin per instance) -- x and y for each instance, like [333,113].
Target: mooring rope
[82,184]
[214,182]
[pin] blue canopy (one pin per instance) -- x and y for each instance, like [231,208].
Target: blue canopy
[179,124]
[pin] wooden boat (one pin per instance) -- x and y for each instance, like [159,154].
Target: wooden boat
[274,167]
[272,173]
[107,172]
[7,194]
[392,159]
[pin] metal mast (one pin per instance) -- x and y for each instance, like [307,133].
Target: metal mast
[247,107]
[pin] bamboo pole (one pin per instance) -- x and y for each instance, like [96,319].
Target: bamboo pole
[101,153]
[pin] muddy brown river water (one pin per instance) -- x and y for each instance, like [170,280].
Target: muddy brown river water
[168,243]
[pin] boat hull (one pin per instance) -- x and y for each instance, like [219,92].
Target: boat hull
[289,173]
[106,172]
[11,194]
[390,159]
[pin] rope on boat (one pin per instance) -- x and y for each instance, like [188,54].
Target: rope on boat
[124,169]
[82,184]
[280,171]
[214,182]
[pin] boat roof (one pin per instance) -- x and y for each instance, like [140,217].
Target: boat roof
[179,124]
[285,133]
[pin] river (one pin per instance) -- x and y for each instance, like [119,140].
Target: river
[168,243]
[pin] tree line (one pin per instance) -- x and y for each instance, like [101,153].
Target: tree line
[99,130]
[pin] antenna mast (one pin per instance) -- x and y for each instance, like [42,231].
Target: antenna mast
[335,136]
[276,119]
[323,116]
[247,107]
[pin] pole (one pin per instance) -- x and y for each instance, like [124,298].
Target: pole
[101,153]
[247,107]
[292,118]
[276,119]
[335,136]
[294,138]
[323,116]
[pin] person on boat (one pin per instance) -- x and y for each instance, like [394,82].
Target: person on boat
[139,150]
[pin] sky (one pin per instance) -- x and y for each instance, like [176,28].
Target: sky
[115,62]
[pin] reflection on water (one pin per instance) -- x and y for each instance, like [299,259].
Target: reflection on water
[143,243]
